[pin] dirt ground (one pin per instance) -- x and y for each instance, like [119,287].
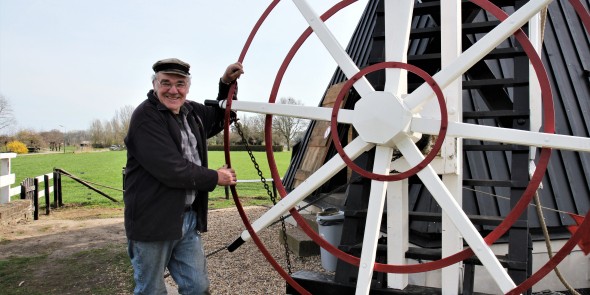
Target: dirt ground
[84,251]
[63,232]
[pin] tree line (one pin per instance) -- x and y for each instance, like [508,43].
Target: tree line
[105,133]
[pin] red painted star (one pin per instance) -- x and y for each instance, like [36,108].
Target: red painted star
[584,242]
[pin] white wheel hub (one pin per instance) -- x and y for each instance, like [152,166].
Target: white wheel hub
[381,119]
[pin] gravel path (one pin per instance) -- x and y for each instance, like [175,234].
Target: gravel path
[246,271]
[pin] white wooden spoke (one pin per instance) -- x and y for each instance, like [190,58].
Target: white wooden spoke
[475,53]
[397,230]
[323,174]
[398,22]
[373,221]
[451,151]
[346,64]
[503,135]
[297,111]
[450,206]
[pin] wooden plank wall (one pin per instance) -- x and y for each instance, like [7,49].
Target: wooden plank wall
[319,141]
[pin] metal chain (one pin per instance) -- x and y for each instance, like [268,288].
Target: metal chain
[272,196]
[216,251]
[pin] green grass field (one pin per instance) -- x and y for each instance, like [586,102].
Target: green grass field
[105,170]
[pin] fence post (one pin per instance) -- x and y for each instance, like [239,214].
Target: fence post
[46,181]
[36,200]
[23,190]
[6,178]
[123,174]
[56,188]
[60,200]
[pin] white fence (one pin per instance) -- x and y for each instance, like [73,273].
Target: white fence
[38,191]
[6,178]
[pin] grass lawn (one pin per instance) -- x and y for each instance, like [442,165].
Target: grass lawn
[104,169]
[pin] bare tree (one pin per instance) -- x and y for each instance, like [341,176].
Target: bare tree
[110,129]
[107,132]
[30,138]
[6,116]
[245,127]
[97,133]
[257,123]
[124,118]
[53,137]
[76,137]
[288,128]
[116,135]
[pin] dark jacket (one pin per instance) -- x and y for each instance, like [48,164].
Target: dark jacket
[157,175]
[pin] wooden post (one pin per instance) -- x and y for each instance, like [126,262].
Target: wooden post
[60,194]
[56,187]
[36,200]
[46,181]
[23,191]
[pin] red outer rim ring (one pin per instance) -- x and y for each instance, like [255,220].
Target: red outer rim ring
[522,204]
[444,121]
[517,210]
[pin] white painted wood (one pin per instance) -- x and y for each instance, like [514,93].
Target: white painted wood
[398,23]
[397,231]
[535,102]
[14,191]
[504,135]
[373,115]
[7,155]
[6,178]
[297,111]
[373,221]
[41,178]
[324,173]
[42,191]
[452,241]
[451,151]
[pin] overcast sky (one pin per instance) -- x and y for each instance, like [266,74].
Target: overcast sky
[68,62]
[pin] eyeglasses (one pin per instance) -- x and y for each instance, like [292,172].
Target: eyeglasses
[167,85]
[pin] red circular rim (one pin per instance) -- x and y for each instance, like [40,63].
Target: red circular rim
[494,235]
[444,121]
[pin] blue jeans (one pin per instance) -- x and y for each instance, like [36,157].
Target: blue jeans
[184,258]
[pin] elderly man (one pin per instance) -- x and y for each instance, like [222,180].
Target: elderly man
[167,180]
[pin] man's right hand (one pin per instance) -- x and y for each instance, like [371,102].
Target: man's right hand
[226,176]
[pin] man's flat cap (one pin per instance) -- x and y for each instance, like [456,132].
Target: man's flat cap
[172,66]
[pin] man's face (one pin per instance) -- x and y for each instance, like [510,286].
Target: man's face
[171,90]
